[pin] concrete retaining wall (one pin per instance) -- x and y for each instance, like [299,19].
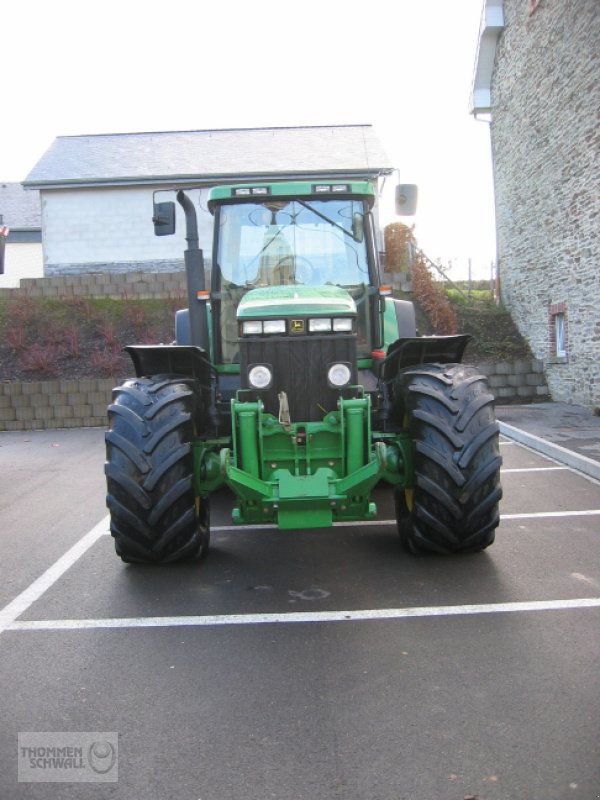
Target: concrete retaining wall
[82,403]
[517,381]
[55,404]
[139,285]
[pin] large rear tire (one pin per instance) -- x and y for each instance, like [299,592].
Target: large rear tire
[453,505]
[155,516]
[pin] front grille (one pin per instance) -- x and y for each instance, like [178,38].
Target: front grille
[299,367]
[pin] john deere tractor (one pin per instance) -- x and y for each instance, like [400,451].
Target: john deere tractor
[299,382]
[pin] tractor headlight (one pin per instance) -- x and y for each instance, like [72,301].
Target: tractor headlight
[319,325]
[342,324]
[260,376]
[252,326]
[274,326]
[339,375]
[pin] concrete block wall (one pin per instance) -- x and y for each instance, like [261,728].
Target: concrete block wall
[82,403]
[112,226]
[39,405]
[520,381]
[139,285]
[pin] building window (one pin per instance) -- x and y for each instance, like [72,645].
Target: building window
[560,335]
[558,331]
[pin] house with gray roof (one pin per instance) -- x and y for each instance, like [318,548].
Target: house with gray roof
[20,213]
[97,190]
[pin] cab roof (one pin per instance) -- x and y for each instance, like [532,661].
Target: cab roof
[290,189]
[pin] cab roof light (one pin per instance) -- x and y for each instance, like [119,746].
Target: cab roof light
[385,290]
[250,191]
[331,188]
[202,294]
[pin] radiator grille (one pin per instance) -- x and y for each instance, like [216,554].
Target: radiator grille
[300,367]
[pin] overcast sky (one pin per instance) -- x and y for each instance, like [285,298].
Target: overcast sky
[73,67]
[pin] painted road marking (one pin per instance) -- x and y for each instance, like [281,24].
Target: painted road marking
[41,585]
[23,601]
[307,616]
[545,514]
[534,469]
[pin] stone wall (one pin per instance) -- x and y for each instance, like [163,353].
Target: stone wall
[546,140]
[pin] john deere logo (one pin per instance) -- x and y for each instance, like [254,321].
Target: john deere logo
[297,326]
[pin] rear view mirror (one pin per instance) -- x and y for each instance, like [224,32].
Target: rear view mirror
[358,227]
[164,219]
[406,199]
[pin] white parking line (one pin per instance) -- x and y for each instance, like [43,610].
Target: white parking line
[544,514]
[35,590]
[304,616]
[534,469]
[11,612]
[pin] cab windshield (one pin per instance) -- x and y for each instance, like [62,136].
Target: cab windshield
[289,242]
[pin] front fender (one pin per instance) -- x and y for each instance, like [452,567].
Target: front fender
[166,359]
[423,350]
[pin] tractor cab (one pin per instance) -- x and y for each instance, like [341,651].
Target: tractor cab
[283,236]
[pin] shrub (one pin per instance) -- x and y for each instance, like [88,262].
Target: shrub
[17,337]
[107,361]
[41,358]
[432,298]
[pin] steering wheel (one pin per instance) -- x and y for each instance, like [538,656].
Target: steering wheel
[303,269]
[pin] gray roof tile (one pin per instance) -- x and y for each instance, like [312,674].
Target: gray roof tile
[168,155]
[20,208]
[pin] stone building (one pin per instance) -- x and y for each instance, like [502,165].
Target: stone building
[538,75]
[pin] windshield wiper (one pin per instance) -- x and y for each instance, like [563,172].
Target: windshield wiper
[326,218]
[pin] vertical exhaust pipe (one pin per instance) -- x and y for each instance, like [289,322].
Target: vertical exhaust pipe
[194,270]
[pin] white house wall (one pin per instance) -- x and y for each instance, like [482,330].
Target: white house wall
[21,260]
[92,230]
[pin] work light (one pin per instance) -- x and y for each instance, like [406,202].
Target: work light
[319,325]
[339,375]
[260,376]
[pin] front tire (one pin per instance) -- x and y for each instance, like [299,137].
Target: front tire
[155,516]
[453,505]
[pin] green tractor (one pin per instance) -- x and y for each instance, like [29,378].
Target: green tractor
[298,381]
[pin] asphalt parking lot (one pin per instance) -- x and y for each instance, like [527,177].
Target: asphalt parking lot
[291,665]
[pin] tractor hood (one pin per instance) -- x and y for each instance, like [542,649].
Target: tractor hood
[282,301]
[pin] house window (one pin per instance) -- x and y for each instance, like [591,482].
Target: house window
[560,335]
[558,331]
